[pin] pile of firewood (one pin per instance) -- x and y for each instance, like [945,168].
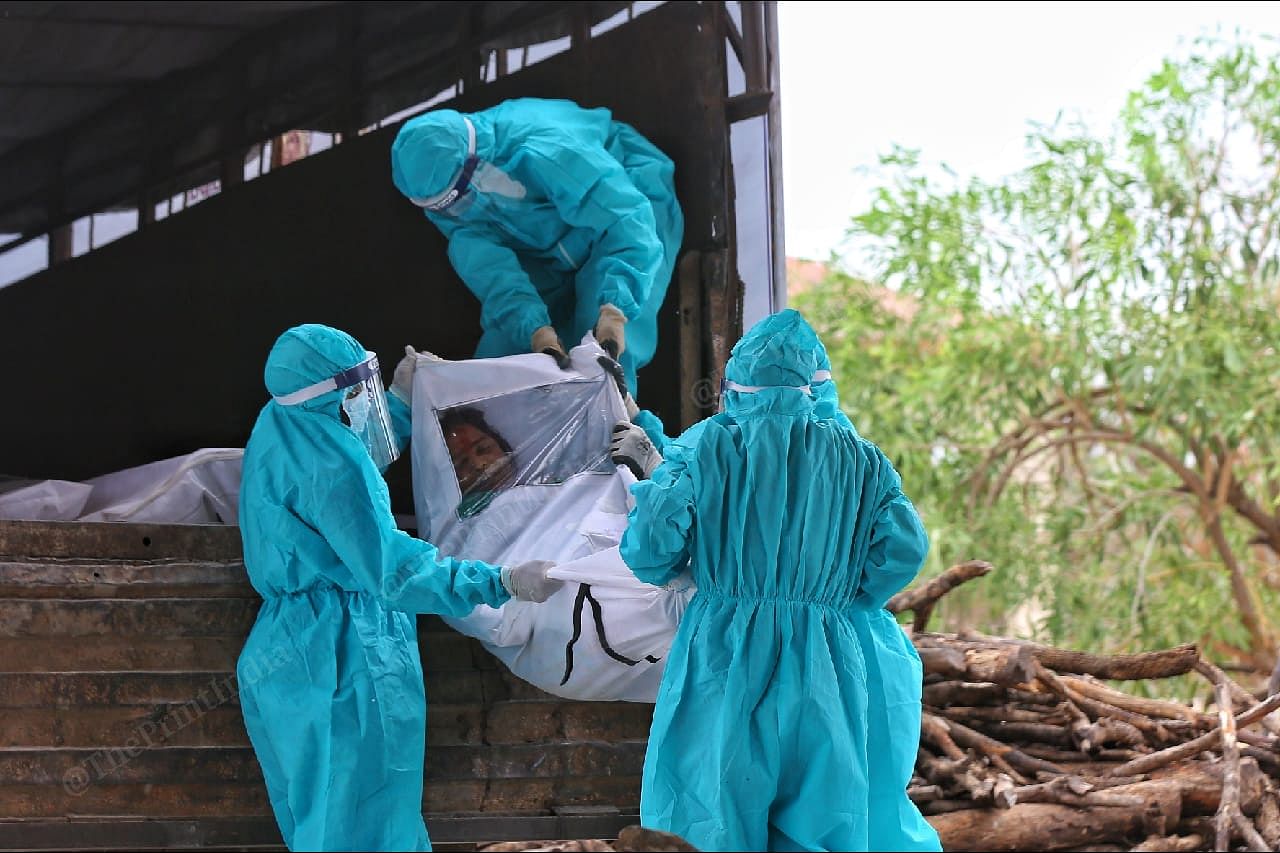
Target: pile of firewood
[1024,747]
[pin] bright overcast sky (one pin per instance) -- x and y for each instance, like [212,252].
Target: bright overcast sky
[959,81]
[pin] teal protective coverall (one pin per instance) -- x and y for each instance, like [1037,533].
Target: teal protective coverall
[893,713]
[559,211]
[797,533]
[330,677]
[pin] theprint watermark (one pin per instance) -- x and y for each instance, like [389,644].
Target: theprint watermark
[152,733]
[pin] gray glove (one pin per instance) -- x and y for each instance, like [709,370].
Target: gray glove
[631,447]
[529,582]
[615,370]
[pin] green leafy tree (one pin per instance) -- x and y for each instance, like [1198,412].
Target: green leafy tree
[1075,368]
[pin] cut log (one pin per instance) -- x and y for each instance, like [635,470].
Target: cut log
[1119,732]
[1265,758]
[1095,783]
[1003,793]
[1268,820]
[1238,694]
[1060,757]
[1249,833]
[1161,664]
[936,731]
[1004,714]
[1211,740]
[1165,663]
[924,793]
[941,807]
[1034,733]
[1229,807]
[1046,826]
[1201,826]
[1100,711]
[1200,784]
[1002,755]
[1153,708]
[958,693]
[959,777]
[1009,665]
[1261,741]
[946,693]
[949,663]
[635,838]
[1073,791]
[1170,844]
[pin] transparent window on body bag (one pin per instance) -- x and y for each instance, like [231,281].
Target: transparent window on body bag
[541,436]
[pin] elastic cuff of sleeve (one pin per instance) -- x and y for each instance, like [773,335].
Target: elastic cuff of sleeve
[620,298]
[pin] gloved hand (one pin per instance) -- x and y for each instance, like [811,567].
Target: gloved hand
[631,447]
[546,341]
[615,370]
[529,582]
[609,328]
[402,379]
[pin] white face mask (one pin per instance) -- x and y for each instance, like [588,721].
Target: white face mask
[490,179]
[357,408]
[730,385]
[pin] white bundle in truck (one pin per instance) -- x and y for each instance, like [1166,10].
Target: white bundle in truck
[511,463]
[198,488]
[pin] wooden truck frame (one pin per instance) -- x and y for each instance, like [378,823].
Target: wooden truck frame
[119,726]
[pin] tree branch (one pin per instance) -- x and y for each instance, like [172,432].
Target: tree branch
[921,599]
[1015,439]
[1217,677]
[1263,643]
[1190,479]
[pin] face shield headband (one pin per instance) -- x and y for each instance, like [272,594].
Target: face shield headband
[364,407]
[446,199]
[342,379]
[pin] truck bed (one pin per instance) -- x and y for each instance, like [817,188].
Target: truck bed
[120,727]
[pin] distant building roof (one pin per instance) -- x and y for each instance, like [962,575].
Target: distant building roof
[803,274]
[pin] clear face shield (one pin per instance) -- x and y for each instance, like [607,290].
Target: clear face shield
[363,407]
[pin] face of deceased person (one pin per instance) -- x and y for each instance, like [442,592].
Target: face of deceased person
[479,459]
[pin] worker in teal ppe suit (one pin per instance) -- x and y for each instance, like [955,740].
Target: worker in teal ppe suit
[330,677]
[893,713]
[559,219]
[795,532]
